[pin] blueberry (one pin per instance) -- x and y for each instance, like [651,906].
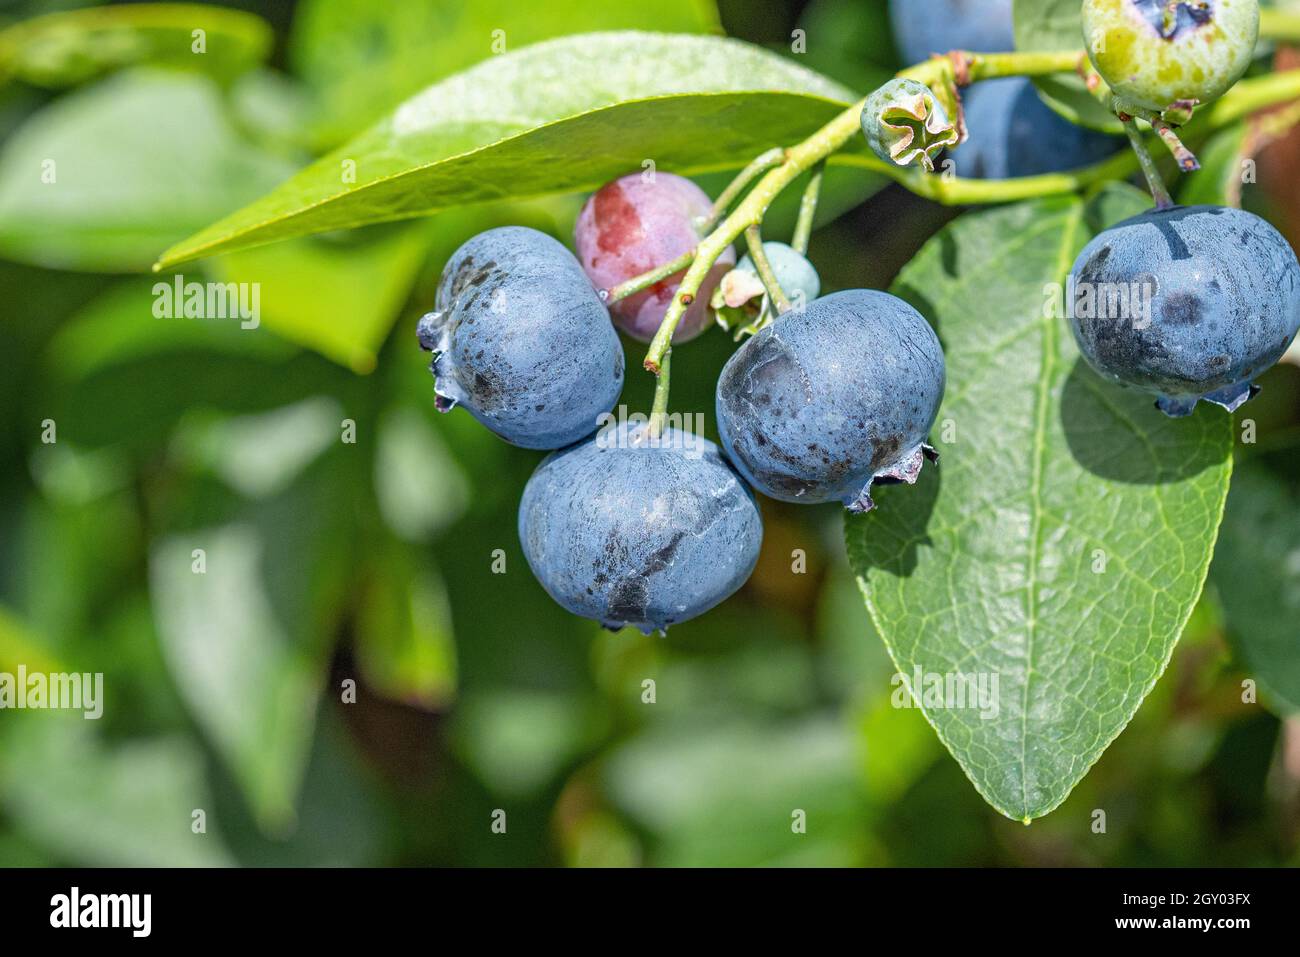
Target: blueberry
[1012,132]
[1154,53]
[821,404]
[627,530]
[1187,303]
[794,273]
[634,224]
[522,340]
[924,27]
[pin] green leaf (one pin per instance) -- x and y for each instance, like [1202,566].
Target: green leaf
[848,43]
[419,486]
[247,627]
[18,646]
[1256,573]
[63,49]
[722,791]
[338,297]
[516,741]
[116,373]
[1058,25]
[104,177]
[130,805]
[1219,181]
[364,58]
[405,642]
[1065,537]
[262,454]
[560,116]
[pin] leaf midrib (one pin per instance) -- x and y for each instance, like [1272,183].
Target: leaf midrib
[1051,348]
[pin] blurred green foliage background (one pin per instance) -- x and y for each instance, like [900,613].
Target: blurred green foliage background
[376,560]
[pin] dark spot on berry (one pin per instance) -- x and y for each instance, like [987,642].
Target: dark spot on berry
[663,557]
[628,599]
[1183,309]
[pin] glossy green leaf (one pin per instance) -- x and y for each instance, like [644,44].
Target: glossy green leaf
[1256,573]
[70,47]
[103,178]
[338,297]
[1063,540]
[1058,25]
[559,116]
[364,58]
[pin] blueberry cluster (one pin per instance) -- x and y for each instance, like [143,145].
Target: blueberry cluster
[643,526]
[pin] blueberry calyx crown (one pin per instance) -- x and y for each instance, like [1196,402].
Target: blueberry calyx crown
[1172,18]
[905,471]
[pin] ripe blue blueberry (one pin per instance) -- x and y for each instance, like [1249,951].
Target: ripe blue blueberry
[1187,303]
[1012,132]
[522,340]
[632,531]
[924,27]
[821,404]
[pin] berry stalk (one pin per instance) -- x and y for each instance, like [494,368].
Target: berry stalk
[659,410]
[1187,160]
[647,279]
[748,213]
[761,165]
[808,210]
[762,266]
[1155,182]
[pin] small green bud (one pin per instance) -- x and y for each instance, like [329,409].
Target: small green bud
[904,122]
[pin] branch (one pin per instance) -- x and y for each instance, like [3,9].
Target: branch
[1246,97]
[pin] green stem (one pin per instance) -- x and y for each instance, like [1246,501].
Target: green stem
[1187,160]
[1279,25]
[990,66]
[1154,180]
[659,411]
[1246,97]
[754,237]
[750,213]
[647,279]
[808,210]
[737,186]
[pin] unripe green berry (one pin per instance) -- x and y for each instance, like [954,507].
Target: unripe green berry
[905,123]
[1154,53]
